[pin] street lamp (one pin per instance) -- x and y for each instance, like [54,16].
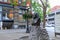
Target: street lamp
[26,8]
[27,29]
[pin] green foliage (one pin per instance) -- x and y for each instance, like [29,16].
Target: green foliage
[24,3]
[11,1]
[37,8]
[27,16]
[14,3]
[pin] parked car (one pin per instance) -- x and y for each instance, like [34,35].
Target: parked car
[49,25]
[15,26]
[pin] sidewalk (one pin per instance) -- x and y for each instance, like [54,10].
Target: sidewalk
[12,34]
[21,35]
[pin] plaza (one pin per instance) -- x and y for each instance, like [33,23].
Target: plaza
[16,34]
[14,25]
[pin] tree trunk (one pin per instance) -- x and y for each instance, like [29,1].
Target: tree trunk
[44,16]
[44,34]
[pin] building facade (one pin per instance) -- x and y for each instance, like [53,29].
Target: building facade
[7,13]
[55,11]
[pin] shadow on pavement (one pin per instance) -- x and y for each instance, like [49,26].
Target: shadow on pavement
[23,38]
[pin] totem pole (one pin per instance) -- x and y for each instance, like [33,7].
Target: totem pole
[35,28]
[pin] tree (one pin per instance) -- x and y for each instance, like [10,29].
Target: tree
[23,3]
[14,2]
[41,9]
[45,5]
[37,8]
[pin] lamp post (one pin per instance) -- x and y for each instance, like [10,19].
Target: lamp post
[28,4]
[26,8]
[27,29]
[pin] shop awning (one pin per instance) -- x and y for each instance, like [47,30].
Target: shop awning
[6,5]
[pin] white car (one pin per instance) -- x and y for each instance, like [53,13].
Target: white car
[49,25]
[15,26]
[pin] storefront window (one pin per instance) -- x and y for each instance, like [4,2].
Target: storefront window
[0,13]
[0,16]
[0,8]
[5,0]
[20,1]
[21,12]
[7,13]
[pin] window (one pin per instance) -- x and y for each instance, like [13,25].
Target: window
[0,8]
[20,11]
[4,0]
[57,12]
[7,13]
[0,13]
[20,1]
[20,18]
[0,16]
[0,0]
[8,1]
[51,14]
[52,19]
